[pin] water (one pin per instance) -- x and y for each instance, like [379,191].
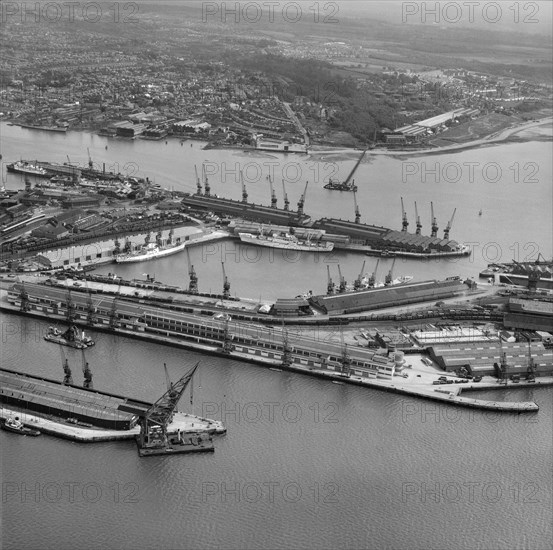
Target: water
[305,463]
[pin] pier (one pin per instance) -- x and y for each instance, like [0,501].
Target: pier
[273,348]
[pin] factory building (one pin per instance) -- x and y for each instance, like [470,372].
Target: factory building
[52,397]
[391,296]
[481,358]
[529,314]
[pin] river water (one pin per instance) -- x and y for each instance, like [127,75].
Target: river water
[306,463]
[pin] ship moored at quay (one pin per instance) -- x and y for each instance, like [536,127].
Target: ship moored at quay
[351,236]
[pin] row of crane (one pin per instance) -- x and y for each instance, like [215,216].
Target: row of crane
[274,200]
[433,221]
[359,283]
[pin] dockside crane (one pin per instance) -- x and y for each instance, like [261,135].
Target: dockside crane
[117,247]
[301,202]
[90,164]
[67,375]
[531,370]
[24,297]
[70,308]
[448,226]
[286,201]
[206,182]
[193,285]
[244,191]
[343,283]
[389,277]
[226,283]
[287,349]
[419,224]
[433,222]
[345,359]
[330,285]
[113,315]
[404,221]
[87,383]
[153,433]
[372,278]
[198,182]
[357,213]
[90,309]
[358,282]
[273,194]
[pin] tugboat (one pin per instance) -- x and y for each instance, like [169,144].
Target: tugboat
[16,426]
[70,337]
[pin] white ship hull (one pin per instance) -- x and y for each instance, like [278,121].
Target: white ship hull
[149,254]
[286,244]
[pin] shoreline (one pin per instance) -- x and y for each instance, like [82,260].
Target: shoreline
[499,136]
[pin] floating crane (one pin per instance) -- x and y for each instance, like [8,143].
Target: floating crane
[244,192]
[226,283]
[206,182]
[358,282]
[433,222]
[448,226]
[286,201]
[357,213]
[193,285]
[372,278]
[273,194]
[153,433]
[87,383]
[301,202]
[343,284]
[330,285]
[389,277]
[419,224]
[404,222]
[198,182]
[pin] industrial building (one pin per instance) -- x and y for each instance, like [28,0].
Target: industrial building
[397,295]
[452,335]
[383,238]
[247,211]
[52,397]
[529,314]
[481,359]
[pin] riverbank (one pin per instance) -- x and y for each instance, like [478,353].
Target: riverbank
[340,153]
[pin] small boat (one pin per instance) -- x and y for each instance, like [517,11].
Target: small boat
[275,369]
[480,212]
[16,426]
[338,382]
